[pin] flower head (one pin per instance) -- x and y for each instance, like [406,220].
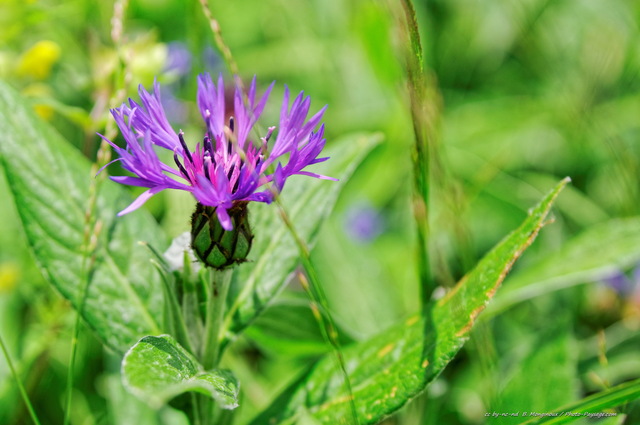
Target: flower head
[178,59]
[230,165]
[363,222]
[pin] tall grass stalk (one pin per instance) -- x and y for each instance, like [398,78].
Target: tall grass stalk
[423,114]
[320,305]
[92,226]
[23,392]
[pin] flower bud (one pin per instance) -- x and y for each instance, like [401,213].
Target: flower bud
[215,246]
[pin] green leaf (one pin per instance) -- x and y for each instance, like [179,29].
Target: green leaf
[157,369]
[525,389]
[288,327]
[126,410]
[580,260]
[392,368]
[274,254]
[50,181]
[594,404]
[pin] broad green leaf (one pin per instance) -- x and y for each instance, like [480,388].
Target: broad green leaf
[392,368]
[157,369]
[525,389]
[288,327]
[581,260]
[274,254]
[594,405]
[127,410]
[50,181]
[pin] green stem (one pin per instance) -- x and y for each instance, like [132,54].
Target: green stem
[87,266]
[216,306]
[423,116]
[317,295]
[93,229]
[23,392]
[195,409]
[72,361]
[217,292]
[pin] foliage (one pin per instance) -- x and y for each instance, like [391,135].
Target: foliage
[505,99]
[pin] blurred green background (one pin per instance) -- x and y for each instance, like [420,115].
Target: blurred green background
[530,91]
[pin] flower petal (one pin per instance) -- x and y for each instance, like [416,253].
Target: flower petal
[132,181]
[225,220]
[140,200]
[318,176]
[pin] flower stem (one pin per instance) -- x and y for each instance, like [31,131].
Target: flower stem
[216,306]
[23,392]
[319,305]
[217,291]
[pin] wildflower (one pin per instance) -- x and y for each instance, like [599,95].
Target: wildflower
[363,222]
[228,168]
[623,284]
[178,59]
[210,58]
[38,61]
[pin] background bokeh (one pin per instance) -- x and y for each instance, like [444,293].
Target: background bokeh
[528,92]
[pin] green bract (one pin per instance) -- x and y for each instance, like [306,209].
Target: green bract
[215,246]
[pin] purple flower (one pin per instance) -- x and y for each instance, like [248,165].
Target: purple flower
[363,222]
[624,284]
[619,282]
[178,58]
[210,58]
[174,108]
[229,166]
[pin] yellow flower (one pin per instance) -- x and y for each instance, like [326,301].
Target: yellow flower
[8,276]
[44,111]
[39,59]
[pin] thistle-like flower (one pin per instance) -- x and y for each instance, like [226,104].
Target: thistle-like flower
[229,167]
